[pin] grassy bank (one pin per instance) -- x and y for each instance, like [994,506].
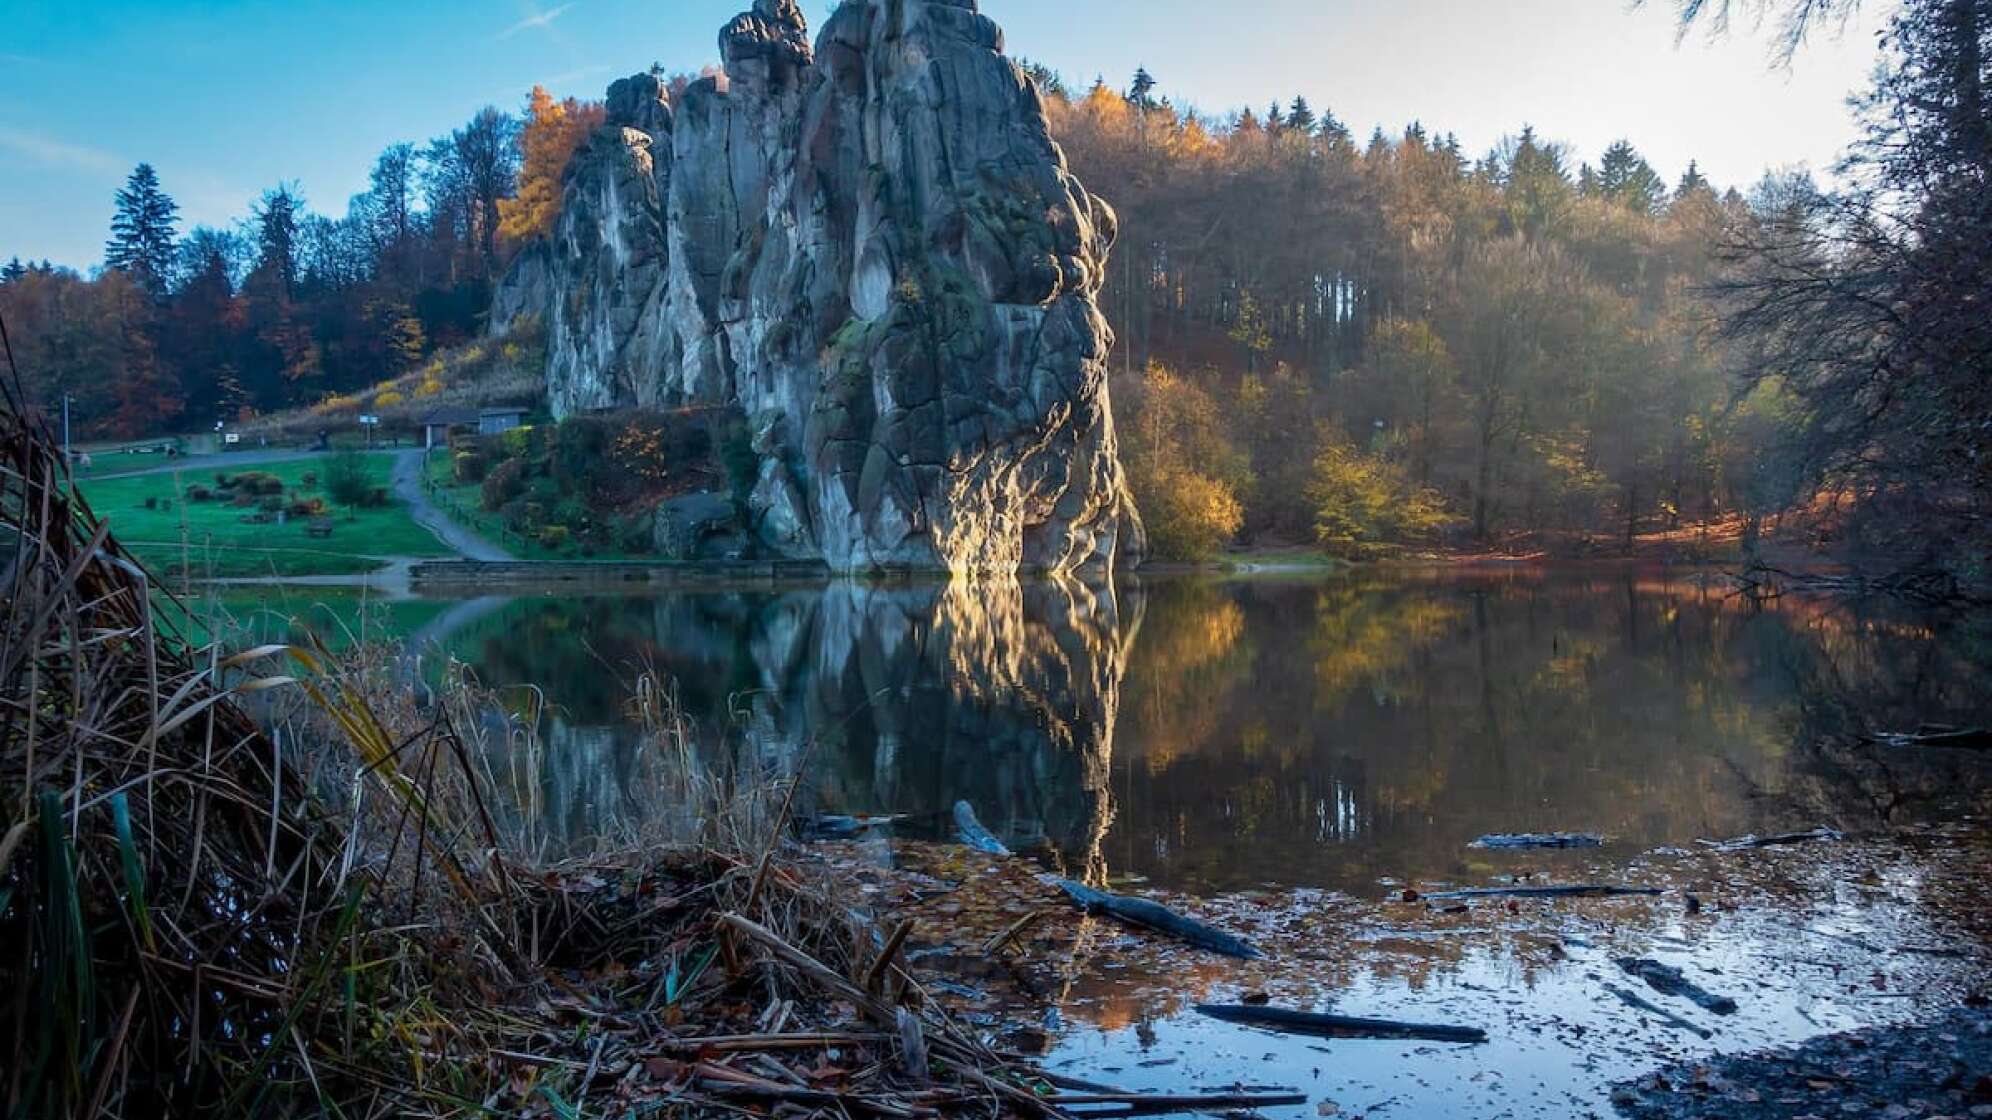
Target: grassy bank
[163,520]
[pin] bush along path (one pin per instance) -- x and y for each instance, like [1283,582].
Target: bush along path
[408,486]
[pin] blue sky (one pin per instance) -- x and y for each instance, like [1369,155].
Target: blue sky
[227,97]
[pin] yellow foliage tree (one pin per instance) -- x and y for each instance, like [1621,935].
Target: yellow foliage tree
[554,129]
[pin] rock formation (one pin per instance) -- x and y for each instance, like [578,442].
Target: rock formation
[872,249]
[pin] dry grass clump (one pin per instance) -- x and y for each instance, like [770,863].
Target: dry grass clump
[331,908]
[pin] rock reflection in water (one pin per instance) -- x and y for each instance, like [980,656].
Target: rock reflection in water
[1321,732]
[905,698]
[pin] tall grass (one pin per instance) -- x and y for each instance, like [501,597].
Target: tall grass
[283,882]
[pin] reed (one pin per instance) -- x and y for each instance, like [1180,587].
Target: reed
[279,882]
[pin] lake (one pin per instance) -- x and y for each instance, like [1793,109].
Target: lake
[1296,758]
[1211,735]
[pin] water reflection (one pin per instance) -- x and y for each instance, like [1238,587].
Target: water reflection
[1325,732]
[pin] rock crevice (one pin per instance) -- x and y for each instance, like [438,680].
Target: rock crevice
[870,246]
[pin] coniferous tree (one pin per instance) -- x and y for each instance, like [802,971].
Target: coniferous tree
[1140,92]
[1626,178]
[142,233]
[13,271]
[1300,117]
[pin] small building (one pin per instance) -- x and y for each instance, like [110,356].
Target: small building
[438,423]
[491,421]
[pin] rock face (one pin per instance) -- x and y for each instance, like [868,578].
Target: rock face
[873,250]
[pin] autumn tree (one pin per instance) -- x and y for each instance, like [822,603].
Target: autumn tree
[552,132]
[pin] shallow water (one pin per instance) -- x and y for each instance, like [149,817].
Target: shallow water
[1216,735]
[1287,756]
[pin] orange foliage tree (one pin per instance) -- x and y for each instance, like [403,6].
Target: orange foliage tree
[554,129]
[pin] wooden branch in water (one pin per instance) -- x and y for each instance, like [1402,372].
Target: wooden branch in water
[1190,1102]
[1539,840]
[1287,1020]
[1934,735]
[1153,915]
[1668,1017]
[1668,980]
[1744,843]
[1569,890]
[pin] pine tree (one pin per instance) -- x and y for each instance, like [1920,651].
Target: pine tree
[1332,130]
[1300,117]
[13,271]
[1626,178]
[1692,180]
[142,232]
[1141,89]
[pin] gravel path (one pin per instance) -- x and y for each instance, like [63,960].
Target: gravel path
[408,487]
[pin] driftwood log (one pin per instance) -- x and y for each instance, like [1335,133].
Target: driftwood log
[1568,890]
[1155,916]
[1669,981]
[1744,843]
[1538,840]
[1634,999]
[1324,1025]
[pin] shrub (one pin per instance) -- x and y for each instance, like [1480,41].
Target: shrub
[376,498]
[506,481]
[310,479]
[469,466]
[1361,501]
[271,503]
[1189,515]
[199,494]
[579,446]
[221,479]
[388,399]
[736,453]
[307,507]
[259,483]
[347,479]
[244,499]
[553,536]
[152,503]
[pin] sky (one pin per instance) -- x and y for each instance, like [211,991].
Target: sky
[228,97]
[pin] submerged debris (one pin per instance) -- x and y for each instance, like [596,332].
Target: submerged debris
[1568,890]
[1668,980]
[1742,843]
[1287,1020]
[1153,915]
[1634,999]
[1539,840]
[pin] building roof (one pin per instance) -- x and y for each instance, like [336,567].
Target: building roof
[505,410]
[438,417]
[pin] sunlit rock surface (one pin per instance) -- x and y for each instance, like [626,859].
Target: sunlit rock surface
[872,248]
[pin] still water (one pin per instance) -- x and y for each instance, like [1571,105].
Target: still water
[1206,735]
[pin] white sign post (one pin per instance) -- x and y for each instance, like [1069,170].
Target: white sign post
[369,423]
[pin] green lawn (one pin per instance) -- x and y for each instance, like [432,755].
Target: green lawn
[212,538]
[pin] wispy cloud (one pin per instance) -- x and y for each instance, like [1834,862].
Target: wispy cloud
[577,75]
[51,152]
[537,19]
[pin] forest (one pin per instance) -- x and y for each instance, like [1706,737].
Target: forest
[1322,339]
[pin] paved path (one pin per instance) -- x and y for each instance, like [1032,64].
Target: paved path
[408,487]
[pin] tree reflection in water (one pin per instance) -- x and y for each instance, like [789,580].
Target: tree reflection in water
[1324,732]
